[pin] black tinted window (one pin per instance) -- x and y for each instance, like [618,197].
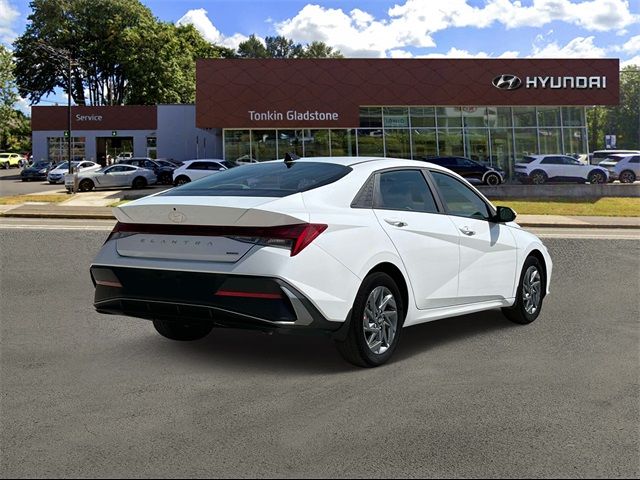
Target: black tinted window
[271,179]
[460,199]
[552,161]
[405,190]
[635,160]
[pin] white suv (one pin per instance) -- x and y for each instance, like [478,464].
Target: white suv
[625,168]
[194,169]
[539,169]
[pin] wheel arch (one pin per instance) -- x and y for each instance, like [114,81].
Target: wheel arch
[489,172]
[396,274]
[536,253]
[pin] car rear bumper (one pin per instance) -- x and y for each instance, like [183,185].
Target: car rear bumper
[223,300]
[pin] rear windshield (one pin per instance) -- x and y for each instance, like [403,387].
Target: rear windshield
[272,179]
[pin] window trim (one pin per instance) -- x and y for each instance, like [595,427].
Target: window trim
[492,211]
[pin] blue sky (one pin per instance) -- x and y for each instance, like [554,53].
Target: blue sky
[407,28]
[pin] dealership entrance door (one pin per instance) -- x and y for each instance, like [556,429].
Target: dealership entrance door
[112,146]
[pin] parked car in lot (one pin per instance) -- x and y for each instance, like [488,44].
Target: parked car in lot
[194,169]
[56,175]
[9,160]
[599,155]
[112,177]
[539,169]
[470,169]
[36,171]
[124,156]
[625,168]
[164,173]
[352,247]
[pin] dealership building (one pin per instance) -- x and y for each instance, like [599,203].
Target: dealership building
[492,110]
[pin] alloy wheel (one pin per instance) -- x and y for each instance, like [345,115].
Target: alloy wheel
[493,180]
[538,178]
[531,290]
[380,320]
[627,177]
[597,177]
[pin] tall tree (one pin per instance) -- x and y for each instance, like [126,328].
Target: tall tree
[281,47]
[15,128]
[320,50]
[252,48]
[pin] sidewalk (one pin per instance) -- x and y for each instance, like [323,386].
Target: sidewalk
[93,210]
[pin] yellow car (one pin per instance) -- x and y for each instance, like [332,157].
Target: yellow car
[8,160]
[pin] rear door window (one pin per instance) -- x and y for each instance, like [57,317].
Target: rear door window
[405,190]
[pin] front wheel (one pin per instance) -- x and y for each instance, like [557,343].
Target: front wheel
[529,295]
[138,183]
[597,177]
[627,177]
[183,332]
[376,322]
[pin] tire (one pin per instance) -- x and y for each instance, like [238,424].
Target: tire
[596,176]
[627,176]
[538,177]
[86,185]
[181,180]
[6,165]
[356,347]
[182,331]
[492,179]
[138,183]
[529,297]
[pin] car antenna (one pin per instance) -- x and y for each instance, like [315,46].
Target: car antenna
[289,158]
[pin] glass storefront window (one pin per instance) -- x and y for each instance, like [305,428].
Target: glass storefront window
[502,149]
[474,116]
[289,141]
[422,116]
[549,116]
[371,117]
[237,145]
[449,117]
[57,148]
[316,143]
[573,117]
[524,116]
[423,142]
[477,144]
[575,141]
[395,117]
[499,116]
[263,145]
[370,142]
[397,143]
[526,141]
[550,140]
[450,142]
[343,143]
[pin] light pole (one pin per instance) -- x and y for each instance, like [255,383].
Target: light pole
[65,55]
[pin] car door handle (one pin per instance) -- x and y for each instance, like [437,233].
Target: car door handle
[395,223]
[467,231]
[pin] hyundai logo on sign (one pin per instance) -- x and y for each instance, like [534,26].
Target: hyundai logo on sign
[507,82]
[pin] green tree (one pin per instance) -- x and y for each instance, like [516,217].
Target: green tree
[281,47]
[320,50]
[252,48]
[15,127]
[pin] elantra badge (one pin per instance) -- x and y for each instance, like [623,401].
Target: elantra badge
[507,82]
[177,217]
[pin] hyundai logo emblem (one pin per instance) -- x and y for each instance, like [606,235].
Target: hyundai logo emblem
[507,82]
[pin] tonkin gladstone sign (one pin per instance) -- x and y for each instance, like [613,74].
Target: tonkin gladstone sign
[328,93]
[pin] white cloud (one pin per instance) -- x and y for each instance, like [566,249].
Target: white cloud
[632,45]
[200,20]
[632,61]
[8,15]
[458,53]
[579,47]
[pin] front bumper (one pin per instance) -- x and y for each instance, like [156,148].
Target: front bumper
[214,298]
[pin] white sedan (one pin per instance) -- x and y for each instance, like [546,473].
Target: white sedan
[56,175]
[539,169]
[115,176]
[195,169]
[353,247]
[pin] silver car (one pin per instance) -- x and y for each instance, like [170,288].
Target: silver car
[115,176]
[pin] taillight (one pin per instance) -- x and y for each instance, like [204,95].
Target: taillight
[293,237]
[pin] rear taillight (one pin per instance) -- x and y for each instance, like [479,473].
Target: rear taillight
[293,237]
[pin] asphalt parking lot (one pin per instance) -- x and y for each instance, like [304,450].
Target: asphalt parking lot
[11,184]
[86,395]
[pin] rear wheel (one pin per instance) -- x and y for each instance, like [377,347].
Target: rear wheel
[86,185]
[492,179]
[529,295]
[184,332]
[139,182]
[538,177]
[376,322]
[596,176]
[6,165]
[627,176]
[181,180]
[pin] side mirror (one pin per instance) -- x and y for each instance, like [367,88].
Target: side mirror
[505,215]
